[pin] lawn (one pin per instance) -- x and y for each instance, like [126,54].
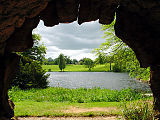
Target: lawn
[63,102]
[56,101]
[64,109]
[77,68]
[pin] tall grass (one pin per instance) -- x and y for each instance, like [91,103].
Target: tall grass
[138,111]
[80,95]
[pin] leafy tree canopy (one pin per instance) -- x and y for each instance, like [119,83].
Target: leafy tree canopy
[89,63]
[30,73]
[37,52]
[62,62]
[74,61]
[120,54]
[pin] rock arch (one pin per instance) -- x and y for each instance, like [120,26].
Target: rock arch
[137,24]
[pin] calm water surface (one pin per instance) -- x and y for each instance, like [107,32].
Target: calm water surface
[109,80]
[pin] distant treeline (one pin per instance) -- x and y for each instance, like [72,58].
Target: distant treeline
[51,61]
[68,60]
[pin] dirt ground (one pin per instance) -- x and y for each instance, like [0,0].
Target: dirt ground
[67,118]
[76,110]
[94,109]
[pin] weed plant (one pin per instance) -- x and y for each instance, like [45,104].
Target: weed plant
[80,95]
[138,111]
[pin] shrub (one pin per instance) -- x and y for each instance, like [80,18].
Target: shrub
[30,75]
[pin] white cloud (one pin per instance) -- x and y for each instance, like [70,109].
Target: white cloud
[76,41]
[74,54]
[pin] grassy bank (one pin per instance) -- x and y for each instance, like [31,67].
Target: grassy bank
[77,68]
[55,101]
[80,95]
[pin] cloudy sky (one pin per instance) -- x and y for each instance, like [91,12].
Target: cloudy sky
[76,41]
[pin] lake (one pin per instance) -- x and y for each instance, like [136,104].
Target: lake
[108,80]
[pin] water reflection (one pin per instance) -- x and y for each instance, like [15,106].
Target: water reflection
[108,80]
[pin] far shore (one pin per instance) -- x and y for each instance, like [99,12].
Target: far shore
[77,68]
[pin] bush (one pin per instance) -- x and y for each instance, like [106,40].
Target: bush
[30,75]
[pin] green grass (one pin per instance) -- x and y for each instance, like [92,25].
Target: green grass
[77,68]
[53,101]
[80,95]
[30,108]
[138,110]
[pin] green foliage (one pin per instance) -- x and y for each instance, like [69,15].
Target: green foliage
[75,61]
[138,111]
[101,59]
[55,61]
[37,52]
[30,75]
[62,62]
[136,72]
[51,61]
[68,60]
[89,63]
[80,95]
[120,54]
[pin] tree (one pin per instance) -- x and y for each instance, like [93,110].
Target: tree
[89,63]
[74,61]
[37,52]
[68,60]
[81,61]
[109,59]
[62,63]
[30,73]
[113,48]
[55,61]
[50,59]
[101,59]
[118,52]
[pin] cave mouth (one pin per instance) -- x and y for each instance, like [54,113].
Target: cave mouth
[53,35]
[44,29]
[137,24]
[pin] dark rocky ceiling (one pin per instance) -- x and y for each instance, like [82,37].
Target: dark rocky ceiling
[137,22]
